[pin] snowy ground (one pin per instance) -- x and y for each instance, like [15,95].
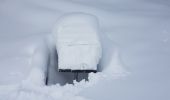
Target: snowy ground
[135,37]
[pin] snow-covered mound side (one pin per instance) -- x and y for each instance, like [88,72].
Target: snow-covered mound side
[39,63]
[20,58]
[77,41]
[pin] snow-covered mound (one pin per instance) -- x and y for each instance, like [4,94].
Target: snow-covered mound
[77,42]
[139,28]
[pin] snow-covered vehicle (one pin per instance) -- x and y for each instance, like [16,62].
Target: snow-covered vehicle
[77,43]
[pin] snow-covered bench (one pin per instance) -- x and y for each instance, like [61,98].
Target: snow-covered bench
[77,42]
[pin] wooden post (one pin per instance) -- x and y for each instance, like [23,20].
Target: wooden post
[76,77]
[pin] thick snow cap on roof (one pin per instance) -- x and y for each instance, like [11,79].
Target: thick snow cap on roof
[77,41]
[77,28]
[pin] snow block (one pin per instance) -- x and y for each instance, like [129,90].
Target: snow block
[77,42]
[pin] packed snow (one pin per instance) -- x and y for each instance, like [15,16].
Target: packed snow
[77,42]
[134,65]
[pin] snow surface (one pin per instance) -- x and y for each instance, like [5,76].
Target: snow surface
[77,41]
[136,38]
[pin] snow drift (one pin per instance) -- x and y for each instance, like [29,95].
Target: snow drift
[77,42]
[140,28]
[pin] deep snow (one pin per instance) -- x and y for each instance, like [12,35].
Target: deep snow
[77,41]
[136,34]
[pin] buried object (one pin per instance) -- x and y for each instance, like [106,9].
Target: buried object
[77,43]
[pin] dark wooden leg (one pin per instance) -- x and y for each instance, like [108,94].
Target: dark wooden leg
[76,77]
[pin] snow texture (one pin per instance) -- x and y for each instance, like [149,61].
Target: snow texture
[77,41]
[33,87]
[135,36]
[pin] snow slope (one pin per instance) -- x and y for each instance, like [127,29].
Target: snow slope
[135,35]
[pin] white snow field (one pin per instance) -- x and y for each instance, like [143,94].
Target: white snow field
[77,42]
[135,37]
